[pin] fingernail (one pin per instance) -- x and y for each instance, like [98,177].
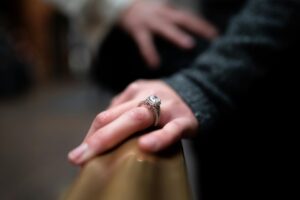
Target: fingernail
[80,154]
[150,143]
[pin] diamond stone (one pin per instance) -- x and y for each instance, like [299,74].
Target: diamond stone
[154,100]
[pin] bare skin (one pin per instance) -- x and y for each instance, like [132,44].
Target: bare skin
[144,19]
[124,118]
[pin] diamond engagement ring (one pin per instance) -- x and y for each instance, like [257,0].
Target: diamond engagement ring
[153,103]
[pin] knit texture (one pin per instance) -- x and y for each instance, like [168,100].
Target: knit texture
[255,40]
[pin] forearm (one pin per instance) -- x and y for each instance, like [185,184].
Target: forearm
[223,75]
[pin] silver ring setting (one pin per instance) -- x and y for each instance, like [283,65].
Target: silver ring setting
[153,103]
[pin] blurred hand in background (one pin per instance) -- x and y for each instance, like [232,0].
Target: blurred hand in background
[143,19]
[124,118]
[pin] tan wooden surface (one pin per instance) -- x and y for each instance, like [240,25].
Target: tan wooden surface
[126,173]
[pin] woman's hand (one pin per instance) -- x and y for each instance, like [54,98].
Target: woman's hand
[124,117]
[143,19]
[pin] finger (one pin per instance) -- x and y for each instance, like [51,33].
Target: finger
[104,139]
[199,26]
[108,116]
[168,135]
[145,43]
[174,34]
[192,23]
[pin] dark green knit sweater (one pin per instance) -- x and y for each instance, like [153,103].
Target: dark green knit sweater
[259,41]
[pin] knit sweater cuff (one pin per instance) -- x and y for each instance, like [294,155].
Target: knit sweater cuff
[200,104]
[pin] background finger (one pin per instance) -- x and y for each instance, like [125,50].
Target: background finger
[174,34]
[147,48]
[195,24]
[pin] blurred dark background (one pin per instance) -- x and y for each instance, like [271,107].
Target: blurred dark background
[45,106]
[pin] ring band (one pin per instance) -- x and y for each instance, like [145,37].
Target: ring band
[153,103]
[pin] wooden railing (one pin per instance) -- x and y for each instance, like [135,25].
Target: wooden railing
[127,173]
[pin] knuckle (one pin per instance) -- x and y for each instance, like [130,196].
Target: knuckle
[115,99]
[98,141]
[139,114]
[139,82]
[177,125]
[95,141]
[132,87]
[101,118]
[163,132]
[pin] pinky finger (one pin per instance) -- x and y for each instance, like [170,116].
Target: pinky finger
[168,135]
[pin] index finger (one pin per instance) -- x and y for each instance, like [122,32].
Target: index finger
[130,122]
